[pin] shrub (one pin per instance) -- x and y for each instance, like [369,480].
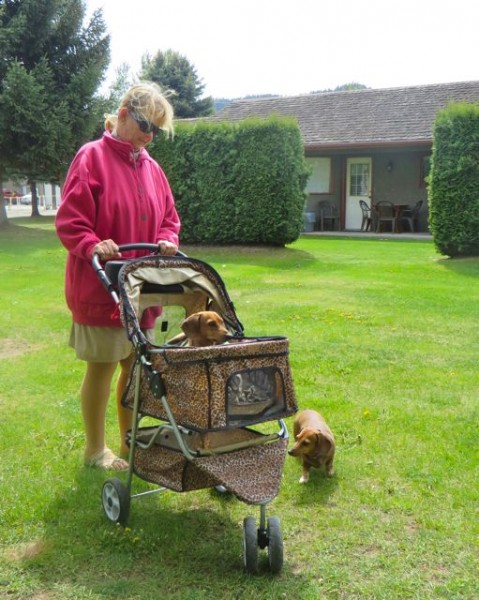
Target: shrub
[454,181]
[239,183]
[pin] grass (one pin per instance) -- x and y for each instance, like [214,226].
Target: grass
[383,341]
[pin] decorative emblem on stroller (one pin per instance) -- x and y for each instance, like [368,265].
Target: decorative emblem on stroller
[206,402]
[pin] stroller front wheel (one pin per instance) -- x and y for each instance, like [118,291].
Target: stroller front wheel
[116,501]
[250,540]
[275,545]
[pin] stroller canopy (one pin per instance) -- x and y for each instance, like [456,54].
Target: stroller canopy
[162,280]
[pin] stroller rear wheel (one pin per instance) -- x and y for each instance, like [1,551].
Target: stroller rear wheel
[116,501]
[250,540]
[275,545]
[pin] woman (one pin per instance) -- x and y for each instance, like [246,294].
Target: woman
[114,194]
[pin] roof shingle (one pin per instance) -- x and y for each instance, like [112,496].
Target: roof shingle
[356,118]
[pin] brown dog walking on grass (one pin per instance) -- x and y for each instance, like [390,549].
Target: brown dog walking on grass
[314,443]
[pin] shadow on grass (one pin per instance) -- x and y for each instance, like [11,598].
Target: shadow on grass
[26,232]
[467,266]
[317,491]
[274,257]
[168,544]
[29,231]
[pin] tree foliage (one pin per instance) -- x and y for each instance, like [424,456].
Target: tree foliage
[50,68]
[124,80]
[35,130]
[345,87]
[173,71]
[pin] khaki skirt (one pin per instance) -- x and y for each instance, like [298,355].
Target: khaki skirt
[100,344]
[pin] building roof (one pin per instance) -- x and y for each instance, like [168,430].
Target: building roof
[360,118]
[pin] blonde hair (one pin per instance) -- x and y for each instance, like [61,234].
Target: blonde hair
[146,99]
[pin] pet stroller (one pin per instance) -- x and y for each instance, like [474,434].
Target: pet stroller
[203,417]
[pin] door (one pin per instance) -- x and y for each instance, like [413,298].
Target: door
[358,187]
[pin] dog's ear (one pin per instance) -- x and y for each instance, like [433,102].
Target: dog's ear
[191,324]
[325,443]
[329,436]
[213,323]
[305,435]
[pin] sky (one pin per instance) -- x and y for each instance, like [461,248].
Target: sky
[286,47]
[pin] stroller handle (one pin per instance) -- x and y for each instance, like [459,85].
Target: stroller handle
[100,271]
[145,246]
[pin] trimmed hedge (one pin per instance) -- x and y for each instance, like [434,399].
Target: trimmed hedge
[454,181]
[236,183]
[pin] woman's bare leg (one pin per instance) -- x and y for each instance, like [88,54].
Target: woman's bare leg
[94,394]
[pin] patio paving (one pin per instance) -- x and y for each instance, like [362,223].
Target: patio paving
[371,235]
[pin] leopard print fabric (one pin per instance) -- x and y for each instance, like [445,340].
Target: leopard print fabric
[252,474]
[198,387]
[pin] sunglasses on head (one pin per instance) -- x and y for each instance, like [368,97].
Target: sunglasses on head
[144,125]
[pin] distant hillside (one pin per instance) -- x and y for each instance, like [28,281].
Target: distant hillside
[220,103]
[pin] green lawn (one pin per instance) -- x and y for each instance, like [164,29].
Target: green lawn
[383,341]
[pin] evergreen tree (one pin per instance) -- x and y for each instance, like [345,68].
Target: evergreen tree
[123,81]
[173,71]
[50,69]
[110,104]
[347,87]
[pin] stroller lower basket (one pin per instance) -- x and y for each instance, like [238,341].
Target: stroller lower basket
[253,474]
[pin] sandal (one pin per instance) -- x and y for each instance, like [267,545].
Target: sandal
[107,460]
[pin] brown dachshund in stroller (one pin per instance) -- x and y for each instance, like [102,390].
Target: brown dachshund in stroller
[205,328]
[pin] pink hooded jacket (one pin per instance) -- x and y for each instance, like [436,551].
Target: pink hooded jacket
[109,194]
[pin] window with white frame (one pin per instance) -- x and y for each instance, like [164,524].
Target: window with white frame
[320,179]
[359,179]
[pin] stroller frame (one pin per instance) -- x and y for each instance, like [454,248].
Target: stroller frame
[185,450]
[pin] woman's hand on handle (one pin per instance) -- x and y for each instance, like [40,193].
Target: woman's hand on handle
[106,250]
[167,248]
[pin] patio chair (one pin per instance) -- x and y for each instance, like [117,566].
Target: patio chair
[367,221]
[327,216]
[384,213]
[411,215]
